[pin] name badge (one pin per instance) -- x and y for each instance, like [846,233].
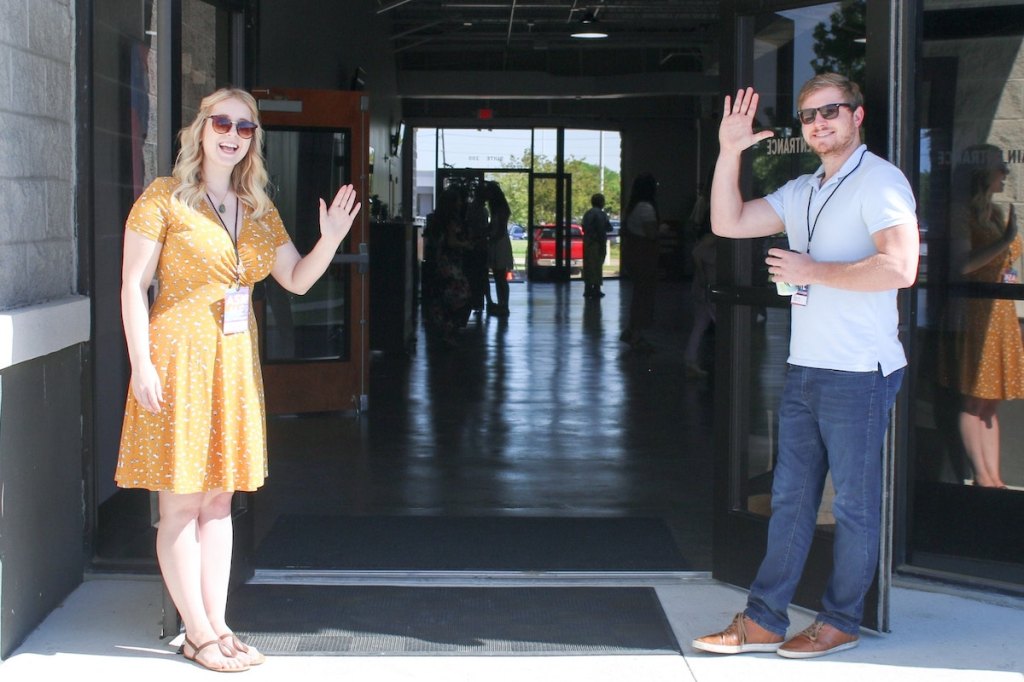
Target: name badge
[799,297]
[236,310]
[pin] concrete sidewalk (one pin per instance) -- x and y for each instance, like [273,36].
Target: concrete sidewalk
[108,629]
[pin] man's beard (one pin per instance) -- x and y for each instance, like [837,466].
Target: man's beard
[835,144]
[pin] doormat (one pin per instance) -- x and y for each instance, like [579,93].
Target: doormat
[296,620]
[421,543]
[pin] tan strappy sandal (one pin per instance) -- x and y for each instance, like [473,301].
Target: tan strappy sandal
[238,646]
[225,651]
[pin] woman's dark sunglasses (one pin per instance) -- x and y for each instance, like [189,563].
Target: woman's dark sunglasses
[222,125]
[828,112]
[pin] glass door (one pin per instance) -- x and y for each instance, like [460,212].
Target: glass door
[556,245]
[777,52]
[314,347]
[965,478]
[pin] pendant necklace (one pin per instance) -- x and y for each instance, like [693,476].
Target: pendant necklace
[221,208]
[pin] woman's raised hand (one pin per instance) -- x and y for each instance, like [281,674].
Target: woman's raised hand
[336,219]
[737,130]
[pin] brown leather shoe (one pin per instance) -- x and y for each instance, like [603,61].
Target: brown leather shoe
[820,639]
[742,636]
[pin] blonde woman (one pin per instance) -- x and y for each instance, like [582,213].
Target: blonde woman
[194,425]
[988,367]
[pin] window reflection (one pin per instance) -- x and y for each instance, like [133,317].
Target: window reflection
[305,166]
[789,48]
[980,349]
[198,55]
[968,307]
[968,437]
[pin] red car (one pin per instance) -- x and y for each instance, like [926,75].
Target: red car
[544,247]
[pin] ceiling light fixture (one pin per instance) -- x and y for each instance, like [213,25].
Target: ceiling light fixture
[589,27]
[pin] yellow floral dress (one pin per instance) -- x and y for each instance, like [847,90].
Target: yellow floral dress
[991,350]
[210,433]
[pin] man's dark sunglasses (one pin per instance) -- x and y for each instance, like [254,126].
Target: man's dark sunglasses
[828,112]
[222,126]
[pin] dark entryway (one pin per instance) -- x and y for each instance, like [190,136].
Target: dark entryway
[542,415]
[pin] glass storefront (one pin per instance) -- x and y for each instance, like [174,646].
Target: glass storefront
[966,476]
[790,46]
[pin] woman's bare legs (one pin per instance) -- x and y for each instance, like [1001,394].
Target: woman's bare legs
[979,429]
[501,288]
[196,568]
[216,537]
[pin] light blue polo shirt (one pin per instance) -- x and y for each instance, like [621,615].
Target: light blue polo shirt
[854,331]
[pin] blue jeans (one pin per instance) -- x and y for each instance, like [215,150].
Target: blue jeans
[828,420]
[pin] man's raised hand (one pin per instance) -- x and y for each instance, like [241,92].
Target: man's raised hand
[737,130]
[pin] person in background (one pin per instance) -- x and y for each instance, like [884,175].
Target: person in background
[704,275]
[499,248]
[853,240]
[447,300]
[194,423]
[475,228]
[703,308]
[640,245]
[596,227]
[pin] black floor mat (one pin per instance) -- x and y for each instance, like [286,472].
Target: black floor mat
[335,621]
[418,543]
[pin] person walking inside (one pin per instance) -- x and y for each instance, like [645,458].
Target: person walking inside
[640,246]
[194,426]
[500,259]
[596,227]
[476,229]
[853,232]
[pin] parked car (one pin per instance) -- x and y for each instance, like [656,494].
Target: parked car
[613,233]
[544,247]
[516,231]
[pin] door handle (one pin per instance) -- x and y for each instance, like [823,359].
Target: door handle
[361,259]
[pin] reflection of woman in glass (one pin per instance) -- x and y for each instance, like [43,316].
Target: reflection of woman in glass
[990,350]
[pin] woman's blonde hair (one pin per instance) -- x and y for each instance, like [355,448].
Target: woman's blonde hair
[979,164]
[249,178]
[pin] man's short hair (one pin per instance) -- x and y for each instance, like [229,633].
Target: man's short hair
[851,91]
[597,200]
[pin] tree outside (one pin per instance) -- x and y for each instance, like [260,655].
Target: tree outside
[586,181]
[839,46]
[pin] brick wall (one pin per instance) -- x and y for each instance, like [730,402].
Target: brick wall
[37,160]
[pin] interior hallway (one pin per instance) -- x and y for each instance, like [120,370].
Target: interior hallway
[541,414]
